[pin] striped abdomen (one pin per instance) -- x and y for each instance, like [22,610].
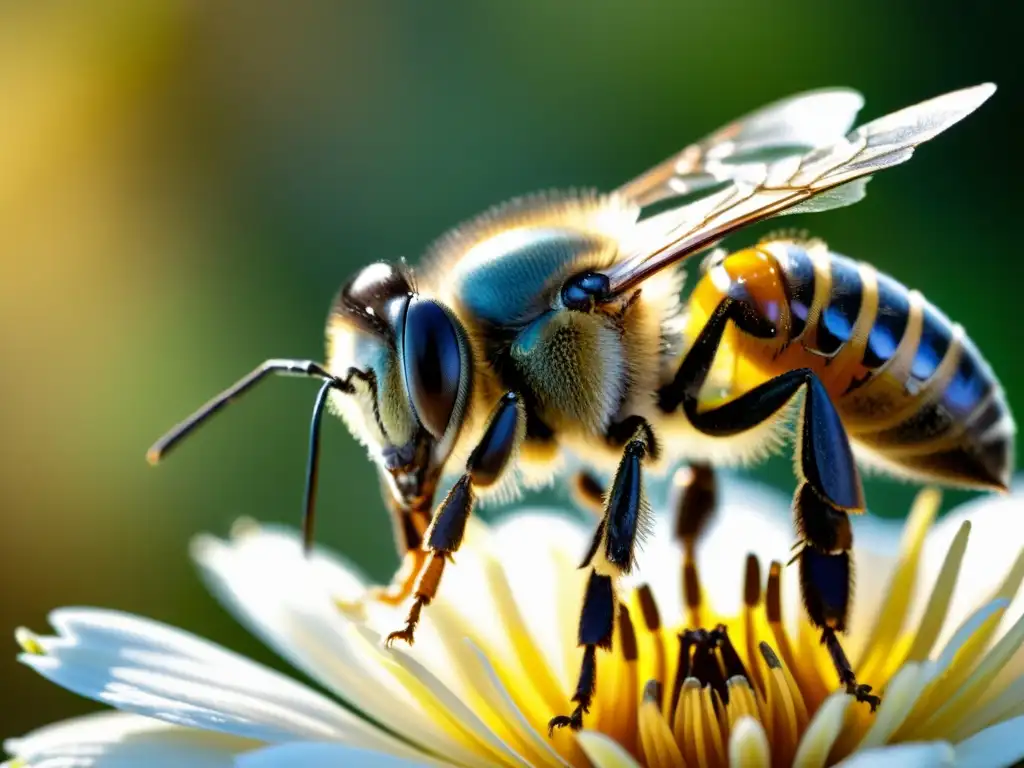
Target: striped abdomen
[914,392]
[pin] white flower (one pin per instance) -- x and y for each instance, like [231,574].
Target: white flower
[938,628]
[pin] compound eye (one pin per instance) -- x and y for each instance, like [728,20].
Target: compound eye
[432,364]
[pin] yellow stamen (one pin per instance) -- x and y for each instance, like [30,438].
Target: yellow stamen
[752,608]
[780,703]
[692,596]
[713,724]
[660,748]
[689,738]
[623,729]
[742,702]
[795,695]
[652,621]
[810,681]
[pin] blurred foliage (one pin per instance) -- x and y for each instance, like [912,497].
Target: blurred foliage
[183,185]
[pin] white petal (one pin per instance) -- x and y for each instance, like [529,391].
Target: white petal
[997,538]
[557,528]
[604,752]
[477,605]
[822,731]
[901,696]
[951,651]
[915,755]
[116,740]
[540,551]
[314,755]
[493,691]
[878,621]
[442,702]
[1002,744]
[995,709]
[151,669]
[291,609]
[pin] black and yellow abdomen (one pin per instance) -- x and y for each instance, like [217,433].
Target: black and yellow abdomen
[915,394]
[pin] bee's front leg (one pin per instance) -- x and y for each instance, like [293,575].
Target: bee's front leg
[484,468]
[410,526]
[403,582]
[611,554]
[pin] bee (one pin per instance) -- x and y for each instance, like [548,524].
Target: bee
[552,326]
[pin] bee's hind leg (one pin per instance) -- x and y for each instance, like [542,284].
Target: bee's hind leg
[610,554]
[830,485]
[825,578]
[485,466]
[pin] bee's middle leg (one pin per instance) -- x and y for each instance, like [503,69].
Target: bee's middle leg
[611,553]
[485,466]
[587,490]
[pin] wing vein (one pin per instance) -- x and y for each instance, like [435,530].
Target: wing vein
[757,158]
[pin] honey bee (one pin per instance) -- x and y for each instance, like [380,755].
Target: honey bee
[552,326]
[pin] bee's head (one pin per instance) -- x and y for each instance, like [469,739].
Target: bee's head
[410,403]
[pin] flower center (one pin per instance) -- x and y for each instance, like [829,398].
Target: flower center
[708,657]
[703,678]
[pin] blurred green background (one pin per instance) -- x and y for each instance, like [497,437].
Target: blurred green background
[183,186]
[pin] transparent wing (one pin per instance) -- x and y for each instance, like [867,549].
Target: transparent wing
[791,126]
[755,186]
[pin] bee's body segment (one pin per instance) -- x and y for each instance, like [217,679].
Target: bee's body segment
[913,391]
[552,326]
